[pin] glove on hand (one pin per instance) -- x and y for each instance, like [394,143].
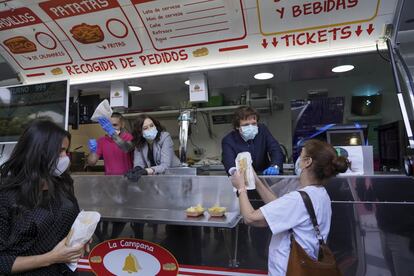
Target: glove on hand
[271,171]
[135,174]
[106,125]
[93,145]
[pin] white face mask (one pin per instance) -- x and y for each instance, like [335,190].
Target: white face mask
[150,134]
[62,165]
[249,132]
[298,169]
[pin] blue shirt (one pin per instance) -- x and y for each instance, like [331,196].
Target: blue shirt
[261,148]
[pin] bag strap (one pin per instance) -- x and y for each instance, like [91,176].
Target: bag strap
[309,206]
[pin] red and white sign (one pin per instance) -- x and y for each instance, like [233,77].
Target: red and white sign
[185,23]
[29,42]
[97,29]
[132,256]
[281,16]
[182,35]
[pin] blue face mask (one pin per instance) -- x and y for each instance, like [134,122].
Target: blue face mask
[150,134]
[249,132]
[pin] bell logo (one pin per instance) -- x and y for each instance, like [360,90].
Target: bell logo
[131,264]
[117,94]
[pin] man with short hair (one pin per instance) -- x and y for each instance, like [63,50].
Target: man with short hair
[116,160]
[267,158]
[249,135]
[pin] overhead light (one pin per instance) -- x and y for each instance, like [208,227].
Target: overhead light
[134,88]
[263,76]
[343,68]
[187,82]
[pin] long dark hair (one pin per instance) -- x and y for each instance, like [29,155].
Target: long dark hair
[139,140]
[32,163]
[325,161]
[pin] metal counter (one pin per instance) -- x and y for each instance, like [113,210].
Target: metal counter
[372,227]
[158,199]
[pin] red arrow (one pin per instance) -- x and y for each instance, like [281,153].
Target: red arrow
[370,29]
[274,42]
[359,30]
[264,43]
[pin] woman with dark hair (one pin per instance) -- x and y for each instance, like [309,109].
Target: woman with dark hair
[318,163]
[37,204]
[154,148]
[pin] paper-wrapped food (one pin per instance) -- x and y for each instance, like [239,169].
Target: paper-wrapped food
[82,230]
[244,166]
[103,110]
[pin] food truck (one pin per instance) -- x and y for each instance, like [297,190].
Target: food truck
[339,71]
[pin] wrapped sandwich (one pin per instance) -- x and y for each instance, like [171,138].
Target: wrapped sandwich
[244,166]
[82,231]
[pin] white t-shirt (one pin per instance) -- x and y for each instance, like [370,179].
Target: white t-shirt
[289,212]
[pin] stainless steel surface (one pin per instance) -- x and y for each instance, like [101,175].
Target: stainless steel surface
[372,228]
[184,121]
[181,171]
[158,199]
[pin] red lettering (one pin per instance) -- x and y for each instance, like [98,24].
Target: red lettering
[143,59]
[286,39]
[334,32]
[307,8]
[281,11]
[296,11]
[298,37]
[346,32]
[352,3]
[112,65]
[317,7]
[131,62]
[322,36]
[340,5]
[183,55]
[168,57]
[330,5]
[310,38]
[151,59]
[77,69]
[69,69]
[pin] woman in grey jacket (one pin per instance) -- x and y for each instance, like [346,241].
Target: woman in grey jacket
[154,148]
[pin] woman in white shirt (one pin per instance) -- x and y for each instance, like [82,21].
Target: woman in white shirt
[318,163]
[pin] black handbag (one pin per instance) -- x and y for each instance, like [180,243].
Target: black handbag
[300,264]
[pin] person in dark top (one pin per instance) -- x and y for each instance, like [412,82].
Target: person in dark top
[249,135]
[37,204]
[267,158]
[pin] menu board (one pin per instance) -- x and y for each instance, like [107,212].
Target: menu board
[29,41]
[21,104]
[97,30]
[278,17]
[185,23]
[119,39]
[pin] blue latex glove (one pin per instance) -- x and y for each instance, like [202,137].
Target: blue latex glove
[271,171]
[93,145]
[106,125]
